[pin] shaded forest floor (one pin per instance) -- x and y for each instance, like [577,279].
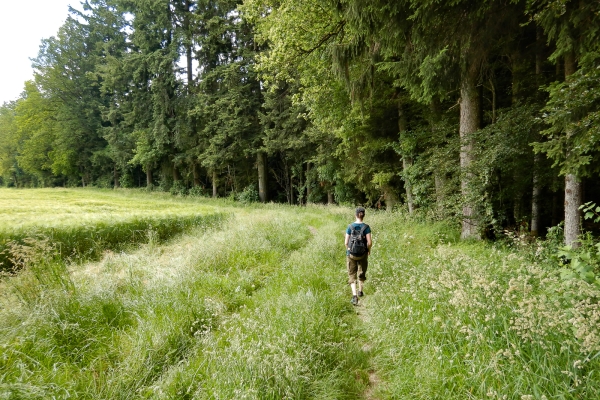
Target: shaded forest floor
[256,305]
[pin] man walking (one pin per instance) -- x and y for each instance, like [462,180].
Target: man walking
[358,248]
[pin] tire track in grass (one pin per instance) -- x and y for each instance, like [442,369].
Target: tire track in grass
[146,284]
[174,368]
[160,286]
[364,315]
[290,341]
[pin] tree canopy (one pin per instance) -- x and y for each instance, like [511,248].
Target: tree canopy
[486,112]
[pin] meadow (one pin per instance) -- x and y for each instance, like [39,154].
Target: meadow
[255,305]
[82,224]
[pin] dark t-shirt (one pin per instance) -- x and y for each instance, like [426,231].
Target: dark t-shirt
[358,227]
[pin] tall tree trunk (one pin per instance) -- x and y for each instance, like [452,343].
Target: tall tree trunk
[301,199]
[572,214]
[537,189]
[176,175]
[196,174]
[148,177]
[262,176]
[407,162]
[494,99]
[214,184]
[307,182]
[517,209]
[330,197]
[516,94]
[390,198]
[480,106]
[116,176]
[469,123]
[188,45]
[573,198]
[291,186]
[535,197]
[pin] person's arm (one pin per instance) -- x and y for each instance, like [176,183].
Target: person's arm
[369,242]
[346,240]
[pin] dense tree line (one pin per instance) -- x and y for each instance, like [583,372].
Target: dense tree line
[485,111]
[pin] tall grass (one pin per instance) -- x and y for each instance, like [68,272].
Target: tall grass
[460,320]
[249,310]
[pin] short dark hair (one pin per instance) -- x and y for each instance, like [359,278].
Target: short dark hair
[359,211]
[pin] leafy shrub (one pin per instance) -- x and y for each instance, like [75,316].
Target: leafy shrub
[126,180]
[178,189]
[165,183]
[198,191]
[105,182]
[582,262]
[248,195]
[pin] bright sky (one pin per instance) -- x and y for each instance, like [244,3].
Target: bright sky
[23,24]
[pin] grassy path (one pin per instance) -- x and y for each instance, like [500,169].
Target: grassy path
[254,309]
[363,312]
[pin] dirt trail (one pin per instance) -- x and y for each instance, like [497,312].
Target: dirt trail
[362,310]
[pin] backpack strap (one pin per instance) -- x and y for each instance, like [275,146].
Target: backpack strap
[363,229]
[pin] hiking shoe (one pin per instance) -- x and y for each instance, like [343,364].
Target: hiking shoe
[360,293]
[354,300]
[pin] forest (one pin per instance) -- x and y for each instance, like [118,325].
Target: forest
[483,112]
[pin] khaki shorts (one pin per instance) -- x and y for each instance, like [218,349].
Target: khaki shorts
[357,266]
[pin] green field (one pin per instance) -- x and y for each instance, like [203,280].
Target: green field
[22,208]
[255,305]
[84,223]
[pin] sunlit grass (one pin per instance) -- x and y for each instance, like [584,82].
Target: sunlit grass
[253,308]
[83,223]
[461,320]
[256,306]
[56,208]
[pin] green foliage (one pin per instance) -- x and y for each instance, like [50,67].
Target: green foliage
[178,189]
[484,321]
[583,262]
[198,191]
[591,211]
[126,180]
[504,159]
[248,195]
[572,116]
